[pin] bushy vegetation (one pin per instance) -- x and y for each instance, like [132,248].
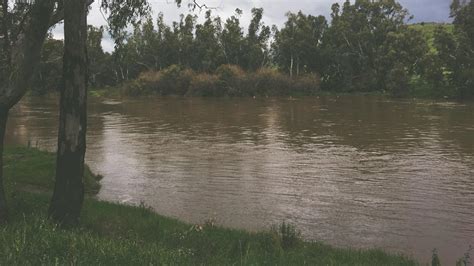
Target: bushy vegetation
[112,234]
[287,236]
[227,80]
[366,46]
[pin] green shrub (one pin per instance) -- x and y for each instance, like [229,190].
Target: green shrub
[149,79]
[398,82]
[232,79]
[174,80]
[435,259]
[204,85]
[308,84]
[287,235]
[227,80]
[466,259]
[133,88]
[268,81]
[171,80]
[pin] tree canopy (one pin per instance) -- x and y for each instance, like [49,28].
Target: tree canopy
[365,46]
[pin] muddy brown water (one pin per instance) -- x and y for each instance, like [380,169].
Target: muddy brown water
[352,171]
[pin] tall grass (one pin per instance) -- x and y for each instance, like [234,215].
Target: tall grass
[112,234]
[227,80]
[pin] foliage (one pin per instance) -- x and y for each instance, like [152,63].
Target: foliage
[227,80]
[172,80]
[48,76]
[428,31]
[455,50]
[204,84]
[366,46]
[267,81]
[298,45]
[435,259]
[360,42]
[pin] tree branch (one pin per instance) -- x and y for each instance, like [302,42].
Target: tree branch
[58,15]
[6,34]
[195,5]
[21,26]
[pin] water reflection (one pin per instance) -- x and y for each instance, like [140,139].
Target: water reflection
[351,171]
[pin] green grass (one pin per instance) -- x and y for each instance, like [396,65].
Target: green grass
[35,170]
[104,92]
[112,234]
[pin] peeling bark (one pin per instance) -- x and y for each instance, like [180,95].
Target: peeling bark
[68,196]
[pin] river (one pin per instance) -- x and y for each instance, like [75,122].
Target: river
[351,171]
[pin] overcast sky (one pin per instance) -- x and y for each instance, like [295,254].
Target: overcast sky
[274,11]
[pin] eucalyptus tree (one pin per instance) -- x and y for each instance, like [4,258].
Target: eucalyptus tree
[23,30]
[232,39]
[49,73]
[66,204]
[208,50]
[170,45]
[185,34]
[68,196]
[298,44]
[68,193]
[456,49]
[403,56]
[356,39]
[137,53]
[97,58]
[256,42]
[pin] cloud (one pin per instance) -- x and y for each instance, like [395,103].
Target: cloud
[274,11]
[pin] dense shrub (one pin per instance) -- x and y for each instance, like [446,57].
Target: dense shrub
[267,81]
[134,88]
[232,79]
[149,79]
[286,235]
[204,85]
[308,84]
[398,82]
[172,80]
[227,80]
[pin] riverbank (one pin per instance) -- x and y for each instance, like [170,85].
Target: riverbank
[227,80]
[232,81]
[112,234]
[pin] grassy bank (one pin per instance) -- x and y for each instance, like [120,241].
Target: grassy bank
[34,170]
[113,234]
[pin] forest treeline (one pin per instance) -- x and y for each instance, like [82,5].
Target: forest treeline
[365,46]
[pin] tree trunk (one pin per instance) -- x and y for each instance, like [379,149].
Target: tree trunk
[291,66]
[23,57]
[68,196]
[298,67]
[3,202]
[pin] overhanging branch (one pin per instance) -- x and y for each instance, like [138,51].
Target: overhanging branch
[58,15]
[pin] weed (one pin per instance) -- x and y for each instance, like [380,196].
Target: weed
[287,234]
